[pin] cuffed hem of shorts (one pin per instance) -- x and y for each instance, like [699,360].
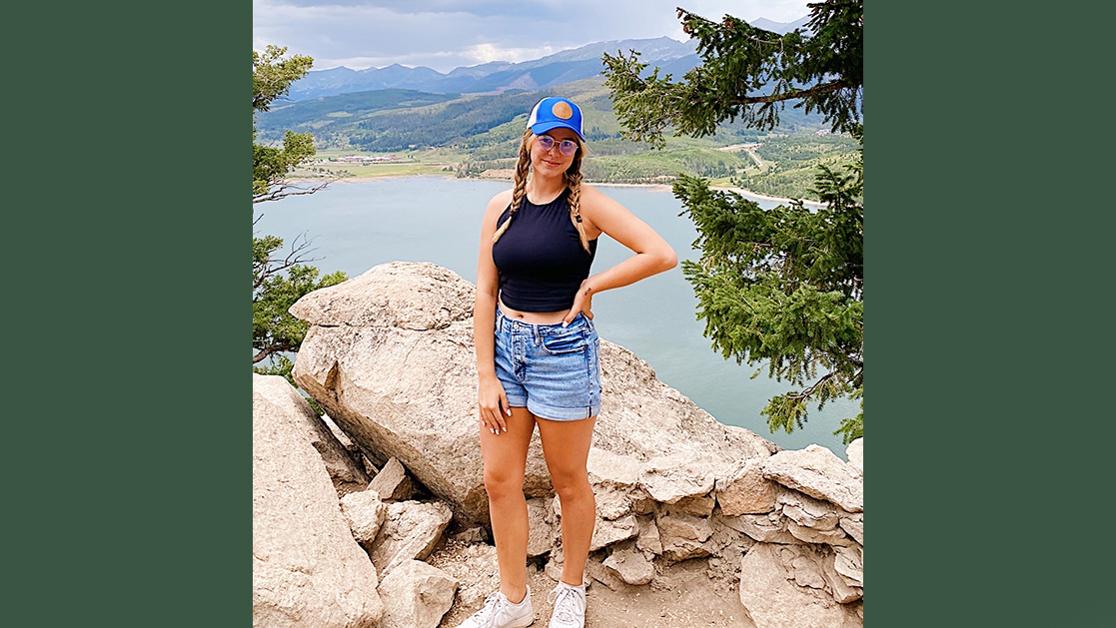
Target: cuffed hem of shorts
[555,413]
[516,402]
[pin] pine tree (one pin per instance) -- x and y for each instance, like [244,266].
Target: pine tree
[279,281]
[784,285]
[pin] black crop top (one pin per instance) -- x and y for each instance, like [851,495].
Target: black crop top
[540,257]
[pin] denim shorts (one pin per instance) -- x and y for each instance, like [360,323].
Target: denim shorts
[552,370]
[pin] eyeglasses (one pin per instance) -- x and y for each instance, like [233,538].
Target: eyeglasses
[568,147]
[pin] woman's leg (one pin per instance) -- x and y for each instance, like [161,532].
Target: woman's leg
[566,449]
[505,462]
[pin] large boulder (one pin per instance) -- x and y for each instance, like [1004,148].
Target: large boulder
[347,475]
[390,355]
[786,585]
[307,570]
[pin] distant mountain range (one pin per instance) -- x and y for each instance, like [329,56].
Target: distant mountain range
[672,56]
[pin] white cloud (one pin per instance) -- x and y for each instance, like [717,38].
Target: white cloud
[444,34]
[483,53]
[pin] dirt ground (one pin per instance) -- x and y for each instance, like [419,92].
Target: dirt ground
[681,596]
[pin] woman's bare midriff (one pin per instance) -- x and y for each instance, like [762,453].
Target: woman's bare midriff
[538,318]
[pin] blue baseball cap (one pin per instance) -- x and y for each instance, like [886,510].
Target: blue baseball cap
[552,113]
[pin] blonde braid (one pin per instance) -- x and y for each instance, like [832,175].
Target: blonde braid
[573,181]
[519,191]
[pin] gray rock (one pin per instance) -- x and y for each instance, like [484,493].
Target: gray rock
[630,565]
[475,534]
[612,502]
[843,592]
[649,540]
[694,505]
[365,513]
[726,547]
[682,536]
[768,528]
[416,595]
[819,473]
[849,562]
[410,530]
[555,563]
[854,526]
[306,568]
[392,482]
[784,586]
[669,478]
[347,475]
[474,567]
[836,536]
[746,491]
[542,536]
[607,532]
[807,511]
[596,570]
[855,452]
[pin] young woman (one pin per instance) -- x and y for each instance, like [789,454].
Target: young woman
[538,350]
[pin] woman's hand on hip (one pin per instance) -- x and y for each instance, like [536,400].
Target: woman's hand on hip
[492,402]
[583,302]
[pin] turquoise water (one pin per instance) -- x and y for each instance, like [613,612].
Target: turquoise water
[353,226]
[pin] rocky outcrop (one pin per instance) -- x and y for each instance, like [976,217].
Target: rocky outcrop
[785,585]
[307,570]
[819,473]
[389,354]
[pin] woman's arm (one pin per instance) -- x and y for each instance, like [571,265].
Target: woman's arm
[653,254]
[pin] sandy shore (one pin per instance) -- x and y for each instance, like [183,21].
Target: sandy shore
[661,187]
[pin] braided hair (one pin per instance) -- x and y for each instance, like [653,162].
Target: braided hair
[573,181]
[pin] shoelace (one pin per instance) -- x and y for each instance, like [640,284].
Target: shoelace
[568,603]
[488,611]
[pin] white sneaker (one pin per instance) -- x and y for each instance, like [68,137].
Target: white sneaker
[569,606]
[499,612]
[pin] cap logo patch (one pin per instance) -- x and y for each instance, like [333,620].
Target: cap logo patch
[562,110]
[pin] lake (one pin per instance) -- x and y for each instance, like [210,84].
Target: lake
[353,226]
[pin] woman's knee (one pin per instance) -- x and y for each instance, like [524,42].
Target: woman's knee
[572,485]
[501,483]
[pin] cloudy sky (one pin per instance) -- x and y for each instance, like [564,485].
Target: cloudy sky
[445,34]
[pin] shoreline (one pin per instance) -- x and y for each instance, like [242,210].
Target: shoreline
[664,187]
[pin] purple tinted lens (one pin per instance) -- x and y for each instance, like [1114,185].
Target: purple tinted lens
[567,147]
